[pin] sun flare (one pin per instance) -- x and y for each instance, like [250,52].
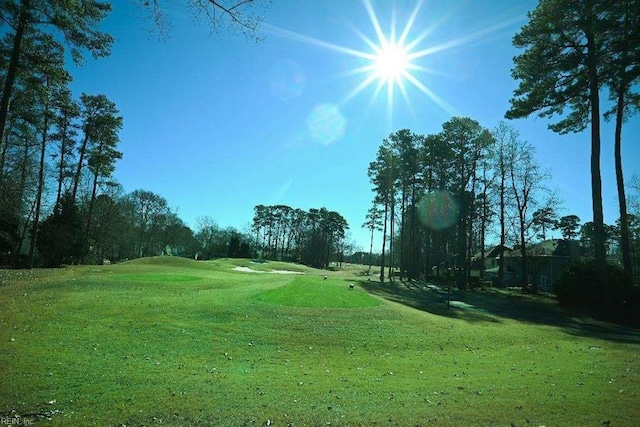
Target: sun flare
[391,60]
[391,63]
[394,59]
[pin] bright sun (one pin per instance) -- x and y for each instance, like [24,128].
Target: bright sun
[391,63]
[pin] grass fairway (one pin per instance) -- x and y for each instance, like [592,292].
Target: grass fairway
[167,341]
[317,292]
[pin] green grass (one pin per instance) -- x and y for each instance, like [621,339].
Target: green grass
[177,342]
[317,292]
[152,277]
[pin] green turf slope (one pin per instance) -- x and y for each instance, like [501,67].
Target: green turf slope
[168,341]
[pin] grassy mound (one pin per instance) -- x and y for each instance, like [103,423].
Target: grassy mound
[316,292]
[164,261]
[219,264]
[154,277]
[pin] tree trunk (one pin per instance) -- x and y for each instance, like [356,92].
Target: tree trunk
[502,219]
[23,234]
[275,244]
[12,69]
[461,264]
[256,240]
[384,240]
[470,226]
[371,247]
[21,189]
[461,275]
[427,253]
[482,236]
[523,251]
[483,219]
[36,217]
[414,270]
[391,254]
[61,169]
[94,190]
[289,243]
[83,149]
[4,149]
[403,232]
[596,180]
[625,244]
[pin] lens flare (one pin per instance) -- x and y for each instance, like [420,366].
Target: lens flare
[439,210]
[326,124]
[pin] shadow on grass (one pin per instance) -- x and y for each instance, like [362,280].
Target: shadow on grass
[494,305]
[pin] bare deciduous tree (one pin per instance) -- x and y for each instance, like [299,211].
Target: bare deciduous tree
[238,15]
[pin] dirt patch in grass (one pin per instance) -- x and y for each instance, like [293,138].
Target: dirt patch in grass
[251,270]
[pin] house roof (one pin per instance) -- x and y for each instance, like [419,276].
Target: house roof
[492,252]
[553,247]
[497,249]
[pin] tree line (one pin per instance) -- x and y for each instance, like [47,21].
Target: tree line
[315,237]
[59,202]
[436,195]
[440,198]
[571,229]
[58,199]
[55,149]
[574,51]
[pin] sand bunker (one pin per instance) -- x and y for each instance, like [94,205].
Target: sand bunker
[286,272]
[247,270]
[251,270]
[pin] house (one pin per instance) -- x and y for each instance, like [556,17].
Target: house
[491,258]
[545,262]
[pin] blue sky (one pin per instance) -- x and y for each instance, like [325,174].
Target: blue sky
[217,123]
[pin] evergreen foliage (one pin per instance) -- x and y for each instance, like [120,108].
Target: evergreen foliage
[62,238]
[569,225]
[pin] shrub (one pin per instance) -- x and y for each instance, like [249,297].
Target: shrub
[578,286]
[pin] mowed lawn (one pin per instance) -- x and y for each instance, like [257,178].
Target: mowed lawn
[167,341]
